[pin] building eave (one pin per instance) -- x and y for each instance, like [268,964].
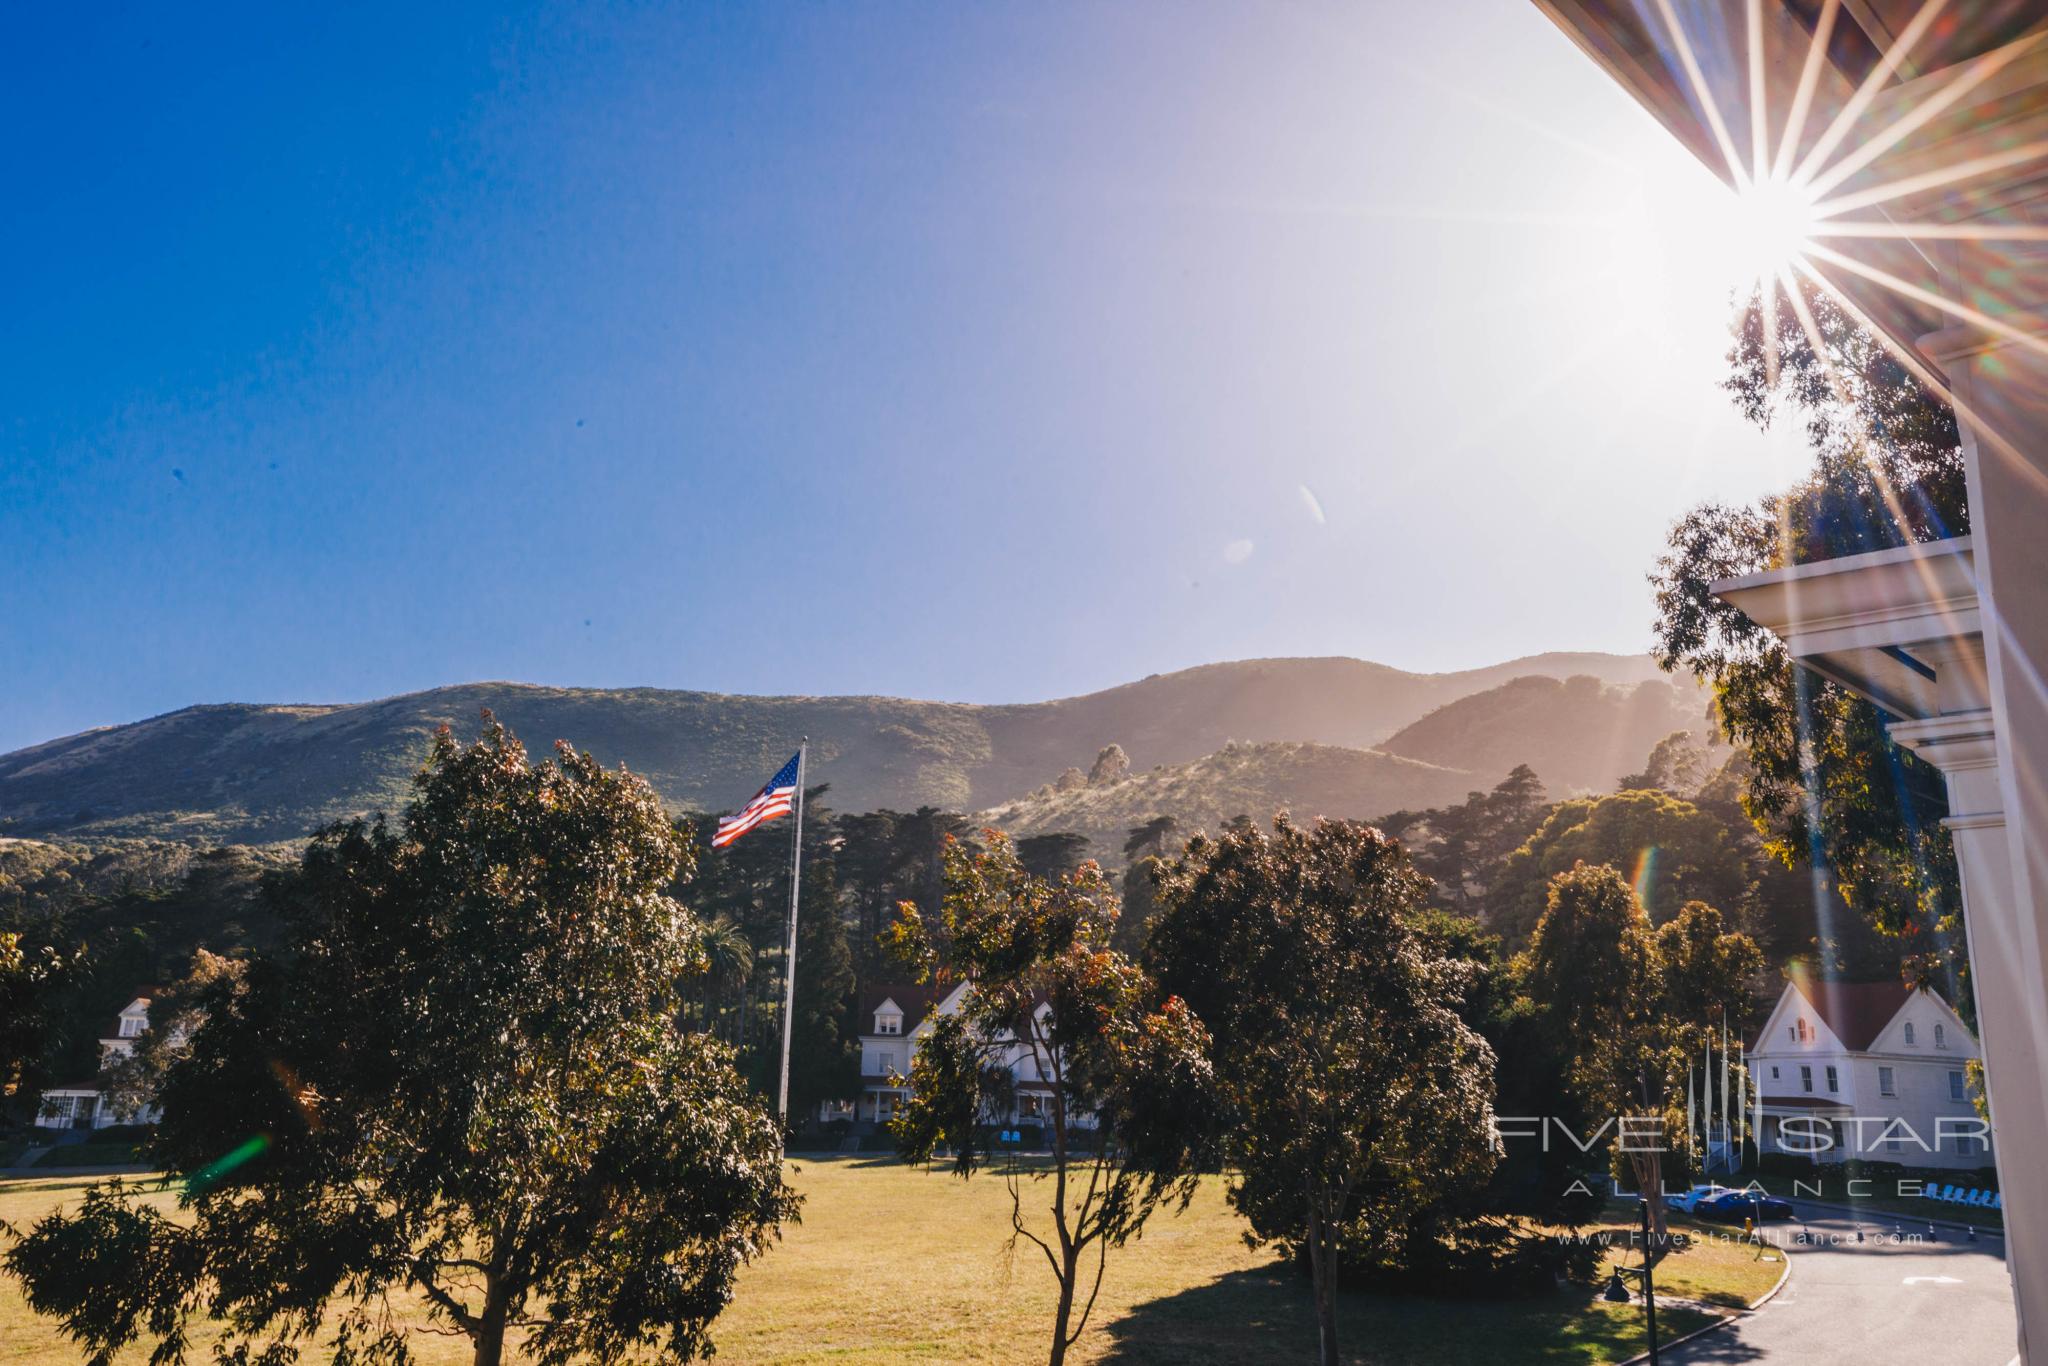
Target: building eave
[1902,626]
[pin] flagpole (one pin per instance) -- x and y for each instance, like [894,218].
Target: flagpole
[796,870]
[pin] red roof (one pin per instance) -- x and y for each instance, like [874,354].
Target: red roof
[1856,1011]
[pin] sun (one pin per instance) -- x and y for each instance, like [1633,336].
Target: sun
[1771,228]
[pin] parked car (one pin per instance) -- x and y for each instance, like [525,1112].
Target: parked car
[1732,1207]
[1691,1199]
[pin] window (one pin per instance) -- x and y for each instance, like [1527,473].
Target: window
[1805,1077]
[132,1027]
[1887,1085]
[1774,1073]
[1909,1033]
[1955,1086]
[1892,1145]
[1940,1037]
[1834,1079]
[888,1024]
[1792,1032]
[887,1061]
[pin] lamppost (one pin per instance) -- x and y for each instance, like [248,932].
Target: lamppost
[1617,1293]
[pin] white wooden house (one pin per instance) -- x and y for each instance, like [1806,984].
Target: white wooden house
[83,1104]
[1878,1071]
[895,1019]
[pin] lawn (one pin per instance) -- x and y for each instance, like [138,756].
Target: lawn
[893,1263]
[1719,1268]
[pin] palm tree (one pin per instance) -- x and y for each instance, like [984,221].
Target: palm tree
[731,959]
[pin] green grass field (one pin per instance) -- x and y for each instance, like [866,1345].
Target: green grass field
[893,1264]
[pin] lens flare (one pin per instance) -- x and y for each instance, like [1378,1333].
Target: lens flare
[1645,873]
[1773,223]
[207,1177]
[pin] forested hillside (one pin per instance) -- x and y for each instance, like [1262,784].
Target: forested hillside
[1238,780]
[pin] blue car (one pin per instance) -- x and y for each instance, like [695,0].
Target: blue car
[1732,1207]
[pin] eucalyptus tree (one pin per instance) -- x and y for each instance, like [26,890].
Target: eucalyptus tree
[461,1078]
[1051,1010]
[1821,780]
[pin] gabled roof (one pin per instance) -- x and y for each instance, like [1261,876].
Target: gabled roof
[915,1000]
[143,998]
[1856,1012]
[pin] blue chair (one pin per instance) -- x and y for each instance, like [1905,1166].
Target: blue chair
[1948,1194]
[1976,1198]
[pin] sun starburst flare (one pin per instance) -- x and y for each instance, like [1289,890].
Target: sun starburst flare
[1788,200]
[1793,198]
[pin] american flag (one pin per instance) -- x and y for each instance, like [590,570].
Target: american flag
[771,801]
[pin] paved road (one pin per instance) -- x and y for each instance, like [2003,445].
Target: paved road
[1875,1303]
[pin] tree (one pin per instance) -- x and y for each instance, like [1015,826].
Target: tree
[1592,969]
[824,1055]
[1151,837]
[1141,903]
[467,1081]
[30,980]
[885,858]
[1822,781]
[1677,764]
[1710,973]
[1125,1081]
[1353,1095]
[729,965]
[175,1014]
[1628,1007]
[118,917]
[1461,848]
[1052,854]
[1676,851]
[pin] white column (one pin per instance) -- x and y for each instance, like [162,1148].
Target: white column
[2006,976]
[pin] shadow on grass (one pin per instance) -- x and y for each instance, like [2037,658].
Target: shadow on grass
[1263,1316]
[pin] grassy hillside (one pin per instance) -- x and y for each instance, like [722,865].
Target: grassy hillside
[1241,779]
[258,773]
[1579,734]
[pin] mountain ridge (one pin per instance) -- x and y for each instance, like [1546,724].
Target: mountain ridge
[257,772]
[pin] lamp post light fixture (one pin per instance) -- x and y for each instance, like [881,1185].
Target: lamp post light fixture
[1617,1293]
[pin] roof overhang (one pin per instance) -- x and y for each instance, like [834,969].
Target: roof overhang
[1902,627]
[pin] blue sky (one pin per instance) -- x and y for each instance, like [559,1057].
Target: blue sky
[986,352]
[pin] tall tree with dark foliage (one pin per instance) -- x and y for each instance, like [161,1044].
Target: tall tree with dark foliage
[1353,1094]
[461,1077]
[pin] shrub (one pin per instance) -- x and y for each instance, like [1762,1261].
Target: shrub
[1796,1165]
[93,1154]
